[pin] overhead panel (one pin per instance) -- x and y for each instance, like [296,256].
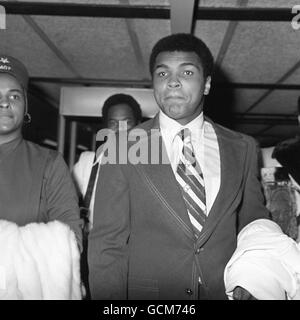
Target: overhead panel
[21,41]
[228,36]
[182,13]
[252,3]
[244,97]
[261,51]
[217,3]
[149,32]
[279,101]
[44,37]
[77,1]
[295,77]
[135,43]
[108,2]
[97,48]
[212,33]
[150,2]
[273,3]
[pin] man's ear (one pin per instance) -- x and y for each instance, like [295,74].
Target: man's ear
[207,85]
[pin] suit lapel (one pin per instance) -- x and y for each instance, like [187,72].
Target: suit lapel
[161,177]
[162,181]
[232,157]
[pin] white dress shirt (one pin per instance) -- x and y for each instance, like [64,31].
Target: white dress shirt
[81,173]
[206,149]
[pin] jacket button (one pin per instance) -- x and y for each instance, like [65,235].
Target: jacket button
[189,291]
[199,250]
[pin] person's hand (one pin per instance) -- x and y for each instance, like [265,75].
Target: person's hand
[240,293]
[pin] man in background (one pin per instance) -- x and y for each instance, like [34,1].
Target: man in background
[119,110]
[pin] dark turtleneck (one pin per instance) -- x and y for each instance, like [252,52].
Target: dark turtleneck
[8,147]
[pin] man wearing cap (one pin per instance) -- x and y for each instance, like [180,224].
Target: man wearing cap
[35,183]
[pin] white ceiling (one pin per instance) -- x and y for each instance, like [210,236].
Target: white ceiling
[63,48]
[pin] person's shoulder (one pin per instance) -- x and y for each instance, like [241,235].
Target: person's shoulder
[146,125]
[53,156]
[54,161]
[231,134]
[42,151]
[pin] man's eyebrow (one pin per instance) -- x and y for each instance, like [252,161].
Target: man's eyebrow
[162,65]
[18,90]
[190,64]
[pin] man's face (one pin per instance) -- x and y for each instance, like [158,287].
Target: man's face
[119,115]
[179,85]
[12,104]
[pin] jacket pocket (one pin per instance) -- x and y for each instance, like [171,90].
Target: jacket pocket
[142,289]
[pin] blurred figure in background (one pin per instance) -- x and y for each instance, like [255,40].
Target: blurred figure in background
[119,109]
[281,180]
[287,153]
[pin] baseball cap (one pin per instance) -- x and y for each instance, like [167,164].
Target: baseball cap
[15,68]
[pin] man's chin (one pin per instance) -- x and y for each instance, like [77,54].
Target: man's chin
[175,117]
[175,112]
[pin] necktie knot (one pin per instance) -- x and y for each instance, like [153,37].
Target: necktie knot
[187,148]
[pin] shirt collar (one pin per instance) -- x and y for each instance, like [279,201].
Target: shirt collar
[172,127]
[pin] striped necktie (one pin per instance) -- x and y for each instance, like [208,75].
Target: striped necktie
[190,179]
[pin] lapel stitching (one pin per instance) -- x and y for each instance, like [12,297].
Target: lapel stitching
[152,187]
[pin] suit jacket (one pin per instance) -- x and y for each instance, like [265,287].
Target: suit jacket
[142,245]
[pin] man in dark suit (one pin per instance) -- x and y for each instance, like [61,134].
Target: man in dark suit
[166,229]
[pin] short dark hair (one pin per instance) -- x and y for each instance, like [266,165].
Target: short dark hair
[122,98]
[184,42]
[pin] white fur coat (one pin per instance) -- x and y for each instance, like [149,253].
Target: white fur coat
[266,262]
[39,261]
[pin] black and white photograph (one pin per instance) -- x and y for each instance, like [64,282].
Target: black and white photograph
[149,153]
